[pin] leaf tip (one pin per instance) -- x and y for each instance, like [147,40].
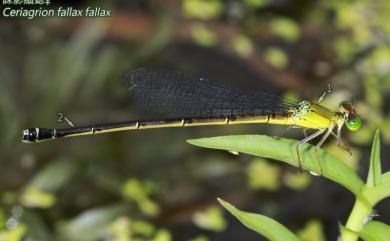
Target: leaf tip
[196,142]
[221,201]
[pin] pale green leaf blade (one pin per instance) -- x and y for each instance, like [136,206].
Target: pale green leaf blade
[91,224]
[282,149]
[375,231]
[263,225]
[375,170]
[54,175]
[377,193]
[385,179]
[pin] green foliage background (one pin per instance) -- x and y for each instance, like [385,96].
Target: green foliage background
[152,185]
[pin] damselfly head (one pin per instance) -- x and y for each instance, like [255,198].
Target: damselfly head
[352,120]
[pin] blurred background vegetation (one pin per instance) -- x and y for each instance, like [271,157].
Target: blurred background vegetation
[152,185]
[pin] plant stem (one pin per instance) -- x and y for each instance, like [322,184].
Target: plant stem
[355,221]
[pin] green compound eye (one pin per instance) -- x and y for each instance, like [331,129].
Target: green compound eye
[354,124]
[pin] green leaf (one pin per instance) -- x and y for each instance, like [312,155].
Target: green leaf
[276,57]
[243,45]
[266,226]
[54,175]
[375,170]
[375,231]
[385,178]
[202,9]
[204,36]
[162,235]
[91,224]
[296,181]
[313,231]
[263,175]
[282,149]
[15,234]
[200,238]
[211,219]
[255,3]
[285,28]
[34,197]
[377,193]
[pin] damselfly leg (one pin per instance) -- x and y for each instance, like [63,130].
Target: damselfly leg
[341,143]
[305,132]
[305,140]
[322,97]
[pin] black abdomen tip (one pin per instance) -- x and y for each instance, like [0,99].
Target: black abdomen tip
[37,134]
[29,135]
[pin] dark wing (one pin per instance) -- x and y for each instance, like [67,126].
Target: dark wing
[179,95]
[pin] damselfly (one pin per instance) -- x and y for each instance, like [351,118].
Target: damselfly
[194,101]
